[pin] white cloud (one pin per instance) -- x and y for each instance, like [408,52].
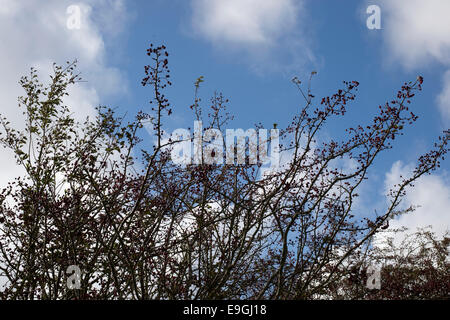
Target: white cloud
[416,33]
[34,33]
[8,7]
[245,22]
[431,193]
[265,30]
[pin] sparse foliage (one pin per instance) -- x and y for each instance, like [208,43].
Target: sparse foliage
[141,227]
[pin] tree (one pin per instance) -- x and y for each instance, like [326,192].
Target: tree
[415,266]
[140,226]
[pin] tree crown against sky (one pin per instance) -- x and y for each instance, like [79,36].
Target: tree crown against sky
[140,226]
[250,53]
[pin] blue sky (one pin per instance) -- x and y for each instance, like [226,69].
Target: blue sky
[343,49]
[250,50]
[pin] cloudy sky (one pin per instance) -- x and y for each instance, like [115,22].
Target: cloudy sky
[249,50]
